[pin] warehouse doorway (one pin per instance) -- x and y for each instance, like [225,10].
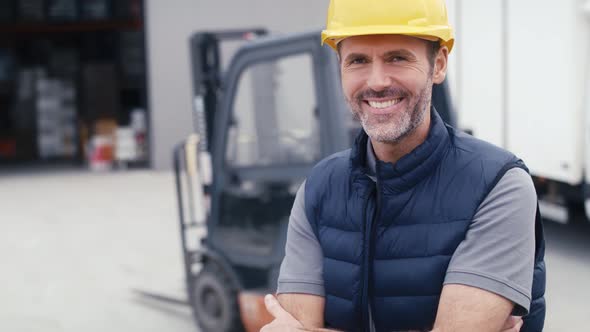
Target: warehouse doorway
[73,83]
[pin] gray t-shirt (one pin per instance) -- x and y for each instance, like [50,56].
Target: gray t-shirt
[496,255]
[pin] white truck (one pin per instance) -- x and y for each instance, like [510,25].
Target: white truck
[520,78]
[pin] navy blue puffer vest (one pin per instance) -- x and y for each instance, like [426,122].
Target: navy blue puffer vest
[387,245]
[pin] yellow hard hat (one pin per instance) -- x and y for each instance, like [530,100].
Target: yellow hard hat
[425,19]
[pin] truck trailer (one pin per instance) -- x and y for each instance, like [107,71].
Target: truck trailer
[519,78]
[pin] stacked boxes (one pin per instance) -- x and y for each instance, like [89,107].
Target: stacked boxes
[31,10]
[62,10]
[56,118]
[96,9]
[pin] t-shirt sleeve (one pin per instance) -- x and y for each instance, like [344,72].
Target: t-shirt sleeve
[498,252]
[301,270]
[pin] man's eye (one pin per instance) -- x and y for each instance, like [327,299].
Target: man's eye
[397,59]
[357,61]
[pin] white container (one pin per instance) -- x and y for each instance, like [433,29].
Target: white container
[126,146]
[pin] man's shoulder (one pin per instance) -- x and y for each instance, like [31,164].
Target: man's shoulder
[477,151]
[329,171]
[473,145]
[474,161]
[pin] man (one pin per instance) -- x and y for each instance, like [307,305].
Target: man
[418,227]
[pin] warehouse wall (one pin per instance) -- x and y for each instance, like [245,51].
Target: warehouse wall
[169,25]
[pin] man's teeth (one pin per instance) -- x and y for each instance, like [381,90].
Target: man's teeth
[385,104]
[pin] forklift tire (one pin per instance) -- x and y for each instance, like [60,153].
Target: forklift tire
[214,301]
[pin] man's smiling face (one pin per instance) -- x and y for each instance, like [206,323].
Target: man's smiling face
[387,81]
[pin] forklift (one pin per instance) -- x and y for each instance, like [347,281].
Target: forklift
[262,121]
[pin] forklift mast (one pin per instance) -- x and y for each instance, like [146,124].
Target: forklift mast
[207,76]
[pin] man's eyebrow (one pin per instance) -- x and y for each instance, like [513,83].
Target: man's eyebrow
[399,53]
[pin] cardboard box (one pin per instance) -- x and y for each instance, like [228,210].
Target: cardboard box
[105,127]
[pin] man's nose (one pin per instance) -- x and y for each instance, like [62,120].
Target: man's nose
[379,79]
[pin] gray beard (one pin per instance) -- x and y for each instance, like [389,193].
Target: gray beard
[386,129]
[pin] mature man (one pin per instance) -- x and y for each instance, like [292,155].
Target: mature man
[418,227]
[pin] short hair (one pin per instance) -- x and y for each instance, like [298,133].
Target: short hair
[432,51]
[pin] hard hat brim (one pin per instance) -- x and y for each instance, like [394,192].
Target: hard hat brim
[442,33]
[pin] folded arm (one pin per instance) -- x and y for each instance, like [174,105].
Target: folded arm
[464,308]
[307,309]
[296,313]
[491,273]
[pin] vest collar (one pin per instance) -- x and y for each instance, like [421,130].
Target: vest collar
[411,168]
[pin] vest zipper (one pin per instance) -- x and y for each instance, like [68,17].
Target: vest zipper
[369,243]
[372,239]
[365,273]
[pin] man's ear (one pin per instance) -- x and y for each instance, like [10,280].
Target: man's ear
[439,72]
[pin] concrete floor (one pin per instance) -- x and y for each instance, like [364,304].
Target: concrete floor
[76,245]
[568,276]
